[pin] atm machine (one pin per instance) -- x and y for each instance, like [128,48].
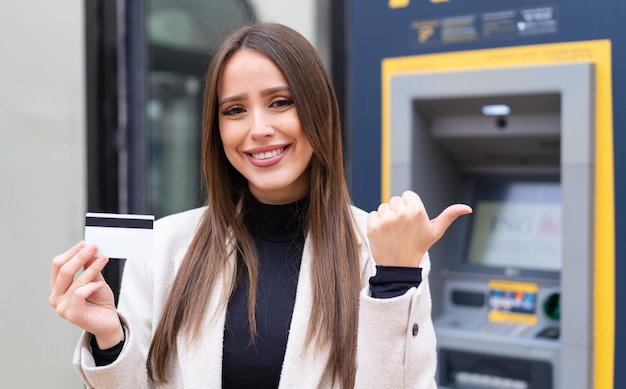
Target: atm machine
[511,283]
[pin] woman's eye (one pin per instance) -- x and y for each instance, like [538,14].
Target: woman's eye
[280,103]
[234,110]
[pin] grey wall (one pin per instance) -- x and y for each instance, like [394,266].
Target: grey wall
[42,183]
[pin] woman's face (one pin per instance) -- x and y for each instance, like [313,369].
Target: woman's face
[260,129]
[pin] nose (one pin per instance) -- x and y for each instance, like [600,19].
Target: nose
[261,126]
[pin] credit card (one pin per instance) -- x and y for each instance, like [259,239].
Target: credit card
[120,236]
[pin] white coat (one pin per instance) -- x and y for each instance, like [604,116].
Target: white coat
[396,339]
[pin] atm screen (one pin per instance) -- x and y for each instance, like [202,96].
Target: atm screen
[516,224]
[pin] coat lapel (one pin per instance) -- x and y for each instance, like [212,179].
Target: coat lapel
[303,365]
[200,360]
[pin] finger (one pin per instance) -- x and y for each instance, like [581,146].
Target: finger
[66,273]
[98,276]
[411,197]
[92,273]
[450,214]
[83,292]
[61,259]
[397,204]
[71,309]
[414,203]
[383,209]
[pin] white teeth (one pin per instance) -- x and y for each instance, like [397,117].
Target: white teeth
[268,154]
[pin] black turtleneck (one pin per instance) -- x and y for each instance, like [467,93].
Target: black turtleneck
[279,238]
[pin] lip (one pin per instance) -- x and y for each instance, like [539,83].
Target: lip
[267,161]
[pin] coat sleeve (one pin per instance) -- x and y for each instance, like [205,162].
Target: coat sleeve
[396,340]
[135,310]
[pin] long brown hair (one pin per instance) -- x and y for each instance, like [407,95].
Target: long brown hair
[333,242]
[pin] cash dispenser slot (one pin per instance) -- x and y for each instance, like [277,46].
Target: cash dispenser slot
[468,298]
[465,370]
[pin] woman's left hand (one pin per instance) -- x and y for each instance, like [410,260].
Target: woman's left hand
[400,231]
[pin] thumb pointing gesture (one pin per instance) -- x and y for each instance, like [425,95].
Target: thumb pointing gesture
[400,231]
[446,217]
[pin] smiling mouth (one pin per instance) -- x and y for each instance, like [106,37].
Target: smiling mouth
[268,154]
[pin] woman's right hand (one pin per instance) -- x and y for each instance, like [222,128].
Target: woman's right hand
[85,299]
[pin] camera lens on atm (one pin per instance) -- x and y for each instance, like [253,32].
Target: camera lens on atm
[501,122]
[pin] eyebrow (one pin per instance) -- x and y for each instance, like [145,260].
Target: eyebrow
[264,92]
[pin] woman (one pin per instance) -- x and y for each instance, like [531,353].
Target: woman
[273,283]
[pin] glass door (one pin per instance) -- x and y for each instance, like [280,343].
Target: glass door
[180,37]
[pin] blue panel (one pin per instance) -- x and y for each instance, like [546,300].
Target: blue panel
[378,32]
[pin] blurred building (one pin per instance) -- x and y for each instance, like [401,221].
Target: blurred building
[100,110]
